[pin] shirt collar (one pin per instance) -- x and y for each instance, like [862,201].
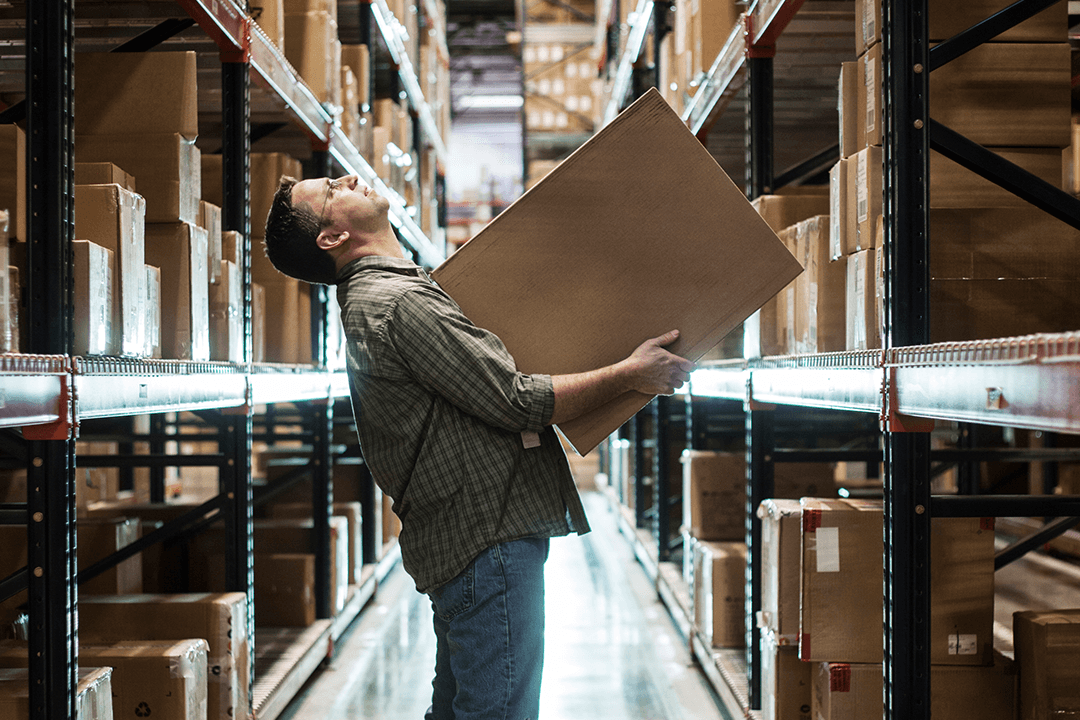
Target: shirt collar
[378,262]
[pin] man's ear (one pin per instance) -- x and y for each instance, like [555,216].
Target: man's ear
[328,241]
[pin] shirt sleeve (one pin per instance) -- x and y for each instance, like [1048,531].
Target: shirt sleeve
[469,366]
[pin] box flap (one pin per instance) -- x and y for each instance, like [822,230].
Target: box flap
[638,232]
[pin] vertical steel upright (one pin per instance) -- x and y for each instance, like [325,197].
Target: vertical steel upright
[759,423]
[905,64]
[236,215]
[51,531]
[661,480]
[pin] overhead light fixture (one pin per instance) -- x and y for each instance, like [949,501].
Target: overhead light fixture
[491,101]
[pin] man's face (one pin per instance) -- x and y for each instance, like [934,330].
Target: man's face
[344,204]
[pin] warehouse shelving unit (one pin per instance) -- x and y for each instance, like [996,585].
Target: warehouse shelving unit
[1026,382]
[47,394]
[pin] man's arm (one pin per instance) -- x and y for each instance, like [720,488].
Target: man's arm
[650,370]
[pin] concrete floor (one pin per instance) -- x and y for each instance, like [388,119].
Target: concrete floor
[612,652]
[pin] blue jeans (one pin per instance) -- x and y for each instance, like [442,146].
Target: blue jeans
[489,628]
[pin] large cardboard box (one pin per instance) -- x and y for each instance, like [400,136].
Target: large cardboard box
[115,218]
[287,330]
[839,242]
[258,322]
[1047,651]
[351,511]
[158,679]
[13,179]
[867,164]
[719,592]
[984,309]
[166,166]
[786,681]
[356,57]
[103,173]
[643,233]
[820,303]
[853,691]
[210,220]
[185,327]
[309,46]
[862,329]
[226,315]
[93,693]
[152,334]
[94,268]
[284,589]
[711,24]
[219,619]
[781,521]
[136,93]
[270,16]
[847,97]
[870,101]
[784,210]
[840,593]
[1006,94]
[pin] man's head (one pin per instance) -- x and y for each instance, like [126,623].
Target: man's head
[315,226]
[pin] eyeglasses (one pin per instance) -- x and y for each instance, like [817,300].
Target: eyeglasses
[331,185]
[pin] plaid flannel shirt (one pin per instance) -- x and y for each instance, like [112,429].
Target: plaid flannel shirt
[441,410]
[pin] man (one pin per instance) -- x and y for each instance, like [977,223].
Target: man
[461,441]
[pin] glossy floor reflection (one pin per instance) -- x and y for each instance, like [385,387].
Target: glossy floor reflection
[612,653]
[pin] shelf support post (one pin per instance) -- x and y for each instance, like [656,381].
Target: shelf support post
[760,444]
[662,483]
[51,523]
[906,537]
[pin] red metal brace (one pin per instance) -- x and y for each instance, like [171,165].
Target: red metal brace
[892,421]
[66,427]
[760,50]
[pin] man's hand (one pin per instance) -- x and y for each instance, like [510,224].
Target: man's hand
[650,369]
[654,370]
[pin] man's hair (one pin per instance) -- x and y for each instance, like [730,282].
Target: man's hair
[290,238]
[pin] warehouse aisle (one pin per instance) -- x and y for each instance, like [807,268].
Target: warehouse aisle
[612,652]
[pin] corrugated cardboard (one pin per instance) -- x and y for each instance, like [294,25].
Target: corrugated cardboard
[232,246]
[210,219]
[356,57]
[351,511]
[1006,94]
[287,338]
[719,592]
[218,618]
[711,23]
[166,166]
[956,187]
[115,218]
[867,164]
[786,681]
[226,315]
[838,210]
[153,312]
[93,694]
[853,691]
[136,93]
[1047,653]
[258,322]
[93,270]
[308,46]
[984,309]
[962,591]
[13,179]
[101,537]
[847,106]
[868,24]
[103,173]
[870,97]
[820,304]
[185,326]
[284,589]
[862,331]
[638,232]
[781,533]
[270,16]
[946,19]
[712,485]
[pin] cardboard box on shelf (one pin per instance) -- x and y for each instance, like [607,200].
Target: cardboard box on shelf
[93,270]
[783,211]
[103,173]
[232,247]
[870,98]
[269,15]
[309,44]
[136,94]
[711,22]
[848,108]
[287,302]
[258,323]
[1006,94]
[185,328]
[115,218]
[840,244]
[93,693]
[718,595]
[152,334]
[218,618]
[13,179]
[357,58]
[786,681]
[95,484]
[820,300]
[592,223]
[952,186]
[284,589]
[862,329]
[1047,647]
[167,168]
[350,511]
[210,220]
[101,537]
[226,316]
[10,314]
[780,542]
[867,164]
[984,309]
[853,691]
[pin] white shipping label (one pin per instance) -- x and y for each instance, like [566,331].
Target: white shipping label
[963,644]
[861,178]
[828,549]
[868,22]
[871,96]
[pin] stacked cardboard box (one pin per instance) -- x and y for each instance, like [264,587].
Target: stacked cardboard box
[219,619]
[155,143]
[1009,95]
[93,693]
[718,593]
[313,47]
[269,15]
[1047,646]
[560,90]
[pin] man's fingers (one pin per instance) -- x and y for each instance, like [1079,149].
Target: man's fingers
[667,338]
